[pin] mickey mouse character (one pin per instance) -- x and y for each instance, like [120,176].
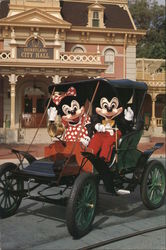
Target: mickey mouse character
[109,113]
[73,116]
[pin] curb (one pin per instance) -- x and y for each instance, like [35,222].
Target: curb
[15,160]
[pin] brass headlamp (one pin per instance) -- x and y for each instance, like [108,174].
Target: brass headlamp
[55,128]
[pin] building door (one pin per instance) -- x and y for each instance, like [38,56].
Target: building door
[33,107]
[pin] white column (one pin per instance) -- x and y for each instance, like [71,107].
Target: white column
[57,47]
[13,44]
[143,68]
[98,54]
[131,62]
[124,56]
[12,82]
[153,122]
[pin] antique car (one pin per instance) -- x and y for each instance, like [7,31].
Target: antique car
[70,168]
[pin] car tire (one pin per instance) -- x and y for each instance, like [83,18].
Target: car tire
[82,204]
[9,185]
[153,185]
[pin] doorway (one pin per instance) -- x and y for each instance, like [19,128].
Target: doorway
[33,107]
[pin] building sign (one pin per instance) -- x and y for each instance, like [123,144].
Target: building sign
[34,50]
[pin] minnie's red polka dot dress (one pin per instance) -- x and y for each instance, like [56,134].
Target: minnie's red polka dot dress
[72,131]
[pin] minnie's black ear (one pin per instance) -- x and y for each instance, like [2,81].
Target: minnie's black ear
[51,104]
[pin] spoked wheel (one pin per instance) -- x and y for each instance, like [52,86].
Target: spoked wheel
[153,185]
[9,187]
[81,206]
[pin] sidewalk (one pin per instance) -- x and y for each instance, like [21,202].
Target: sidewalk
[147,145]
[37,150]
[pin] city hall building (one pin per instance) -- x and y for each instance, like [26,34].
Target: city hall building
[53,41]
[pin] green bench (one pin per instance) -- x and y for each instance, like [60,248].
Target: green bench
[127,152]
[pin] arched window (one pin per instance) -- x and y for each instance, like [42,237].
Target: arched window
[109,58]
[78,50]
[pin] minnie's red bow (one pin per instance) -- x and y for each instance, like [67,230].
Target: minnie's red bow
[58,98]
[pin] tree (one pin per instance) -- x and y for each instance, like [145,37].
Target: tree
[150,16]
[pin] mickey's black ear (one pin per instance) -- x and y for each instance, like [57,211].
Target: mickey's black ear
[81,100]
[124,96]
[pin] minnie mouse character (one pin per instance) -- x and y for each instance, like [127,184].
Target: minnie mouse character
[109,112]
[73,116]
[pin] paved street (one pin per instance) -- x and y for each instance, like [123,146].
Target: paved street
[37,150]
[38,226]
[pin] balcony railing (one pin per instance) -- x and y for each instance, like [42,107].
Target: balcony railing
[4,55]
[65,57]
[145,76]
[68,57]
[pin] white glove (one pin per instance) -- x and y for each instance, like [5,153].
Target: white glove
[111,132]
[129,114]
[100,127]
[52,113]
[85,141]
